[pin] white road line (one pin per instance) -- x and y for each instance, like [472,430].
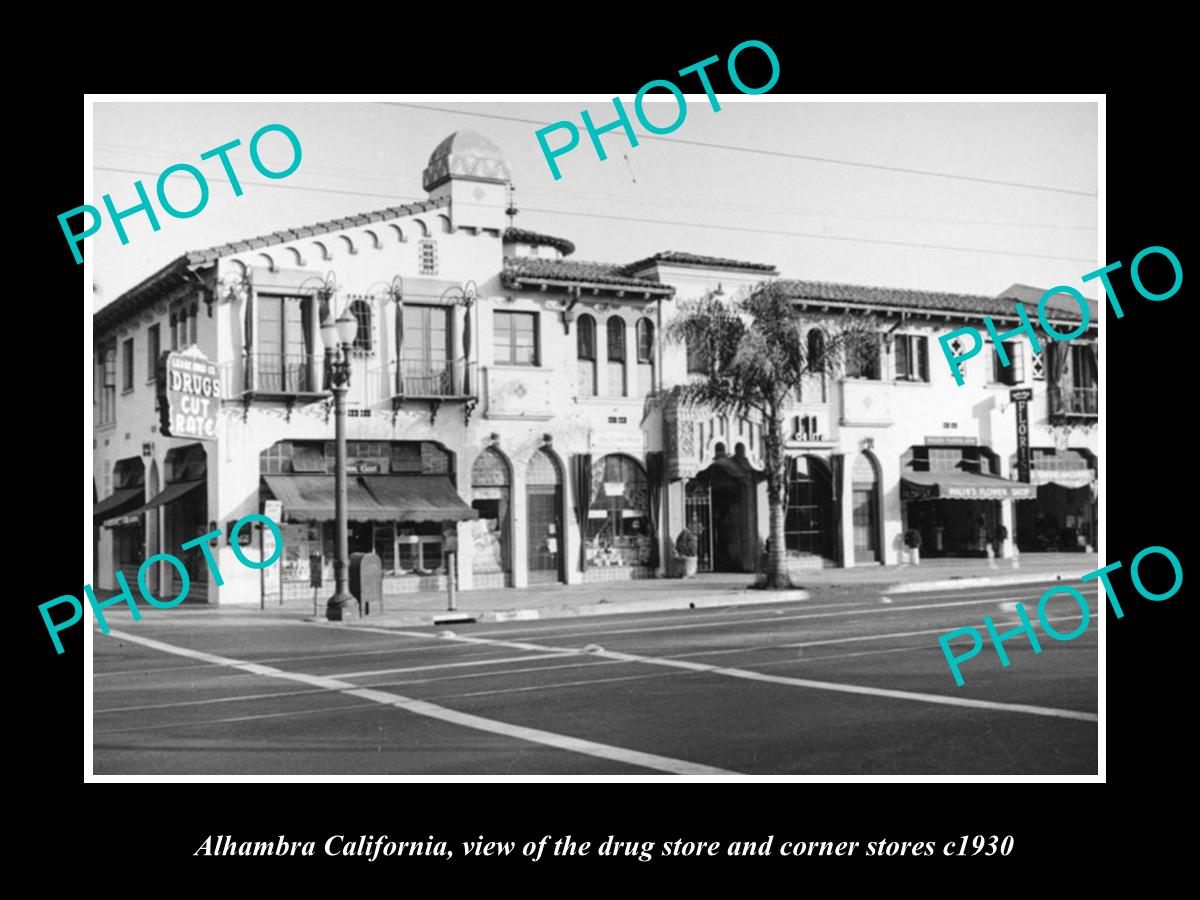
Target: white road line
[231,719]
[874,611]
[441,713]
[852,640]
[456,665]
[643,618]
[942,699]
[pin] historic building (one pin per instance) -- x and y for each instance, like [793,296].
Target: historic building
[523,403]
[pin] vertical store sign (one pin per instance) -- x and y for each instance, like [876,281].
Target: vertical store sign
[1022,396]
[272,585]
[189,394]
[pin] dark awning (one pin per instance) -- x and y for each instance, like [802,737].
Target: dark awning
[309,497]
[120,503]
[962,486]
[169,494]
[418,498]
[381,498]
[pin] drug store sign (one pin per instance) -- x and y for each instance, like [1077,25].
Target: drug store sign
[189,394]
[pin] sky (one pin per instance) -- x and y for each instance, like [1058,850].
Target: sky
[815,220]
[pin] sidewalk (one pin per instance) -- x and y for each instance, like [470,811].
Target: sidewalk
[712,590]
[563,601]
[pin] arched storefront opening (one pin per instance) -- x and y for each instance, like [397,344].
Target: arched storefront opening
[491,492]
[809,522]
[544,535]
[952,495]
[725,493]
[184,503]
[1062,517]
[618,523]
[865,480]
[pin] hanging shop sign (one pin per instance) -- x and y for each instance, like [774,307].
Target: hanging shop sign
[1021,397]
[189,394]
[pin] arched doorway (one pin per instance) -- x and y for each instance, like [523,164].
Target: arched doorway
[543,516]
[864,478]
[727,489]
[491,492]
[808,524]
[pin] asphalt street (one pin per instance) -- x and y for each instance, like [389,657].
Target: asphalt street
[837,684]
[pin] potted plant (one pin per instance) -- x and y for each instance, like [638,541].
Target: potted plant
[685,548]
[912,540]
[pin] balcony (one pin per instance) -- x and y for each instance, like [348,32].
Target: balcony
[273,376]
[1073,402]
[420,380]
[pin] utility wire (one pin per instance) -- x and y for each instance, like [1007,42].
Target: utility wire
[776,153]
[347,172]
[560,212]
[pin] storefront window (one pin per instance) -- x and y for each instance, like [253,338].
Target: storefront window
[618,520]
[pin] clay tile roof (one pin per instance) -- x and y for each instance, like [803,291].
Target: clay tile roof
[862,295]
[522,236]
[201,257]
[677,258]
[574,271]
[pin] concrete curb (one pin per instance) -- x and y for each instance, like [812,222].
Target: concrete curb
[947,584]
[665,604]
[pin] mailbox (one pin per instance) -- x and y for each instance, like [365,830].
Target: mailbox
[314,570]
[366,581]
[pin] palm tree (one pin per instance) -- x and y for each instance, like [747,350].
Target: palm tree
[757,354]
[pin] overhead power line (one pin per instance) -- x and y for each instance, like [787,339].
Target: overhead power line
[348,172]
[709,226]
[762,151]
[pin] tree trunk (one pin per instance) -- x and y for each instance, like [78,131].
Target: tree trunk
[776,574]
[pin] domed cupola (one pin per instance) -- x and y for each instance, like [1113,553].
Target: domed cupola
[467,155]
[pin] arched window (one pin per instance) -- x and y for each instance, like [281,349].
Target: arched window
[616,357]
[645,356]
[361,310]
[816,358]
[585,351]
[174,331]
[193,315]
[618,529]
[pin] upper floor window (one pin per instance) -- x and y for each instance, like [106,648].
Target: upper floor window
[174,331]
[697,357]
[514,335]
[361,310]
[108,386]
[127,365]
[645,341]
[1014,372]
[153,349]
[193,317]
[912,357]
[585,352]
[284,344]
[862,359]
[616,357]
[585,338]
[429,257]
[645,356]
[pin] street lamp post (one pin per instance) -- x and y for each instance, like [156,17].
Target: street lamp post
[338,337]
